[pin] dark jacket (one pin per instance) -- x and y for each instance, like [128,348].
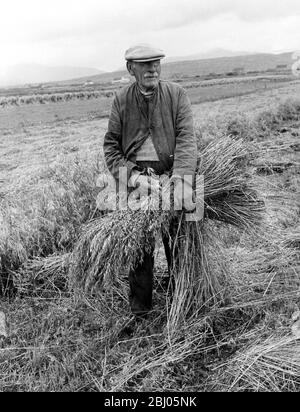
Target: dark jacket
[167,117]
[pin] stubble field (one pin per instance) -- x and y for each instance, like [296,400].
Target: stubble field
[58,340]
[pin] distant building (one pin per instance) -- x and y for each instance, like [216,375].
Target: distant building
[123,80]
[89,83]
[177,76]
[239,70]
[281,66]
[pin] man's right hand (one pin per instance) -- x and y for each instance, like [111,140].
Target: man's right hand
[145,185]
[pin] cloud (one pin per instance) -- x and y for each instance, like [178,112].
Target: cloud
[178,13]
[96,32]
[36,20]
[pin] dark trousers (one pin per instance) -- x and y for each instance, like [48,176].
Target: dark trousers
[141,278]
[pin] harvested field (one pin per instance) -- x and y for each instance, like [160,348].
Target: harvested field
[59,339]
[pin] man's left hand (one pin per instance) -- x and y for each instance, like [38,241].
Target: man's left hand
[183,194]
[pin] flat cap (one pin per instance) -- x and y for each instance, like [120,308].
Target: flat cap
[144,53]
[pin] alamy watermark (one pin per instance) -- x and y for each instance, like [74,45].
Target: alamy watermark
[188,195]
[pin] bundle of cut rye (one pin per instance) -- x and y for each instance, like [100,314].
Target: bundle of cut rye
[115,242]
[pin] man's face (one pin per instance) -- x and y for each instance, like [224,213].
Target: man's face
[147,74]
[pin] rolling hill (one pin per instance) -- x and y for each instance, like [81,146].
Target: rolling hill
[35,73]
[66,76]
[202,67]
[212,54]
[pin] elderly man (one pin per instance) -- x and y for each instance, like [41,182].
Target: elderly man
[150,128]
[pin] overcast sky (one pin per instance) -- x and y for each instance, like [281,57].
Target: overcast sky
[96,33]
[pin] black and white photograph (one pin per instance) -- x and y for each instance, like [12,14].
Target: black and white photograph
[150,199]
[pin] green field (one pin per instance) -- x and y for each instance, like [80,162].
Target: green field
[58,340]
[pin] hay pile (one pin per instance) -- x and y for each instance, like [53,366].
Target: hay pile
[200,273]
[113,243]
[292,238]
[43,275]
[268,365]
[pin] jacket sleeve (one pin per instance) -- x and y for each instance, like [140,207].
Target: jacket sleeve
[113,153]
[185,156]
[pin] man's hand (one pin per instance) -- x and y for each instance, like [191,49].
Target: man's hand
[183,193]
[145,185]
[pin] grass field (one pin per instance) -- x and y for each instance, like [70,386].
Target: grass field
[50,157]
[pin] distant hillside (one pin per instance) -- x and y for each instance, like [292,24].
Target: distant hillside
[35,73]
[255,62]
[212,54]
[170,70]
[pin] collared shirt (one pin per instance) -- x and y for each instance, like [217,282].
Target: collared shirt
[167,116]
[147,151]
